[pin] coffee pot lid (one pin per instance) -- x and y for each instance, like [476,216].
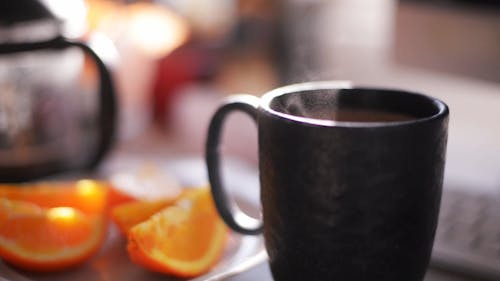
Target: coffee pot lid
[18,11]
[27,21]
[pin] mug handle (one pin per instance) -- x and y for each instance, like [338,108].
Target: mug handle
[228,210]
[107,97]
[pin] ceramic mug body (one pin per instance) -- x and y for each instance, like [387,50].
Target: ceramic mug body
[353,197]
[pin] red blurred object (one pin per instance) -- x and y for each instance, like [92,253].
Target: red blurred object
[190,63]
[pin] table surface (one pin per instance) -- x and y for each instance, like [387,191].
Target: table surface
[262,273]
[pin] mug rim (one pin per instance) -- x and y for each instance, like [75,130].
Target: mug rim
[267,98]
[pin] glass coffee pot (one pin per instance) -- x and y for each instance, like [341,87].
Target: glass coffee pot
[57,100]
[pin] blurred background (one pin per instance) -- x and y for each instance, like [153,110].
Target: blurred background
[177,59]
[173,61]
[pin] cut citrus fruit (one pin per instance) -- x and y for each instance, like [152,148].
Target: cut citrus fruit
[117,197]
[184,240]
[51,239]
[13,208]
[127,215]
[87,196]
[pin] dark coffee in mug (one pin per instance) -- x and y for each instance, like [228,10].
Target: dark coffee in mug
[360,115]
[350,180]
[368,115]
[324,106]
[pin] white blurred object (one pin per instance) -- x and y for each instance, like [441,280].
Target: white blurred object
[154,29]
[146,181]
[104,48]
[72,13]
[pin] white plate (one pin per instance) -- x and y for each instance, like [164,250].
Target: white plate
[112,262]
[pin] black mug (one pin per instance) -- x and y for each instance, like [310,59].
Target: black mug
[351,180]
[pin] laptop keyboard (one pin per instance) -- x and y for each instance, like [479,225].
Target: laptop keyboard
[468,235]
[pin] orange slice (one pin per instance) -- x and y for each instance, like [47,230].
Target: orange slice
[87,196]
[184,240]
[48,240]
[127,215]
[13,208]
[117,197]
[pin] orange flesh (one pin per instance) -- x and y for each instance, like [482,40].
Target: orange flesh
[184,240]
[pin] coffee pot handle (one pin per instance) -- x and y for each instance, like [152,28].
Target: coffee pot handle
[107,98]
[228,210]
[107,105]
